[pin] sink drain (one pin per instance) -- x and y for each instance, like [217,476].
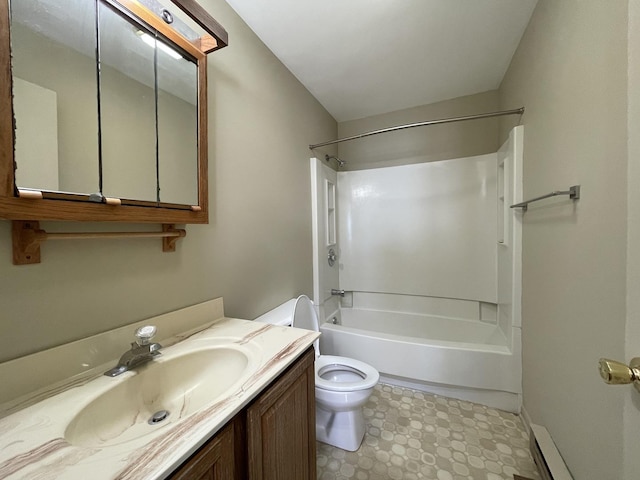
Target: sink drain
[158,417]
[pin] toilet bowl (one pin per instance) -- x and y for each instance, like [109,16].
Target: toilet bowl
[343,385]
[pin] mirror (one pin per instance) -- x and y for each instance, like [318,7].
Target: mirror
[177,128]
[145,135]
[55,101]
[149,112]
[127,108]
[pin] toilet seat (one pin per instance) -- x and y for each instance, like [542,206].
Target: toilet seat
[323,362]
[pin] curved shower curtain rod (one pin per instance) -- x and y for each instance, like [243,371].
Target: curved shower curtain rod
[517,111]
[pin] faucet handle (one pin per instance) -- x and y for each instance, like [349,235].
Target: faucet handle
[145,334]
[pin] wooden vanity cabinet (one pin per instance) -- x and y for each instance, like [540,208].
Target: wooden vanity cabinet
[214,460]
[281,426]
[273,438]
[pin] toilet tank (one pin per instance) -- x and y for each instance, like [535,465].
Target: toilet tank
[281,315]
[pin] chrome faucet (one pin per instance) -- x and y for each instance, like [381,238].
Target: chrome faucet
[142,351]
[335,291]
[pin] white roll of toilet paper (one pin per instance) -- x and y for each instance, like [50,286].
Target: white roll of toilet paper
[281,315]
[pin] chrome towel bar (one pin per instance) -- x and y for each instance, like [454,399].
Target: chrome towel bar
[573,192]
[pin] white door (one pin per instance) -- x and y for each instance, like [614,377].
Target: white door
[631,408]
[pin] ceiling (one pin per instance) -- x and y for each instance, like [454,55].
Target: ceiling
[365,57]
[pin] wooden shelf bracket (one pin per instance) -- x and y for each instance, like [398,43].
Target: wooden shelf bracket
[27,237]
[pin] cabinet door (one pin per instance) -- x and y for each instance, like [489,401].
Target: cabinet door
[281,426]
[214,461]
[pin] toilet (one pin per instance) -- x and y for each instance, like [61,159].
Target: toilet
[343,385]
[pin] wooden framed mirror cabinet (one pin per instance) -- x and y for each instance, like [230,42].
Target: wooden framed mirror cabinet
[103,110]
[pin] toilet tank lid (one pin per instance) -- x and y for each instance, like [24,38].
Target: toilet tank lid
[281,315]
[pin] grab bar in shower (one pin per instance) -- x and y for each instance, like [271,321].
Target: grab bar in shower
[573,192]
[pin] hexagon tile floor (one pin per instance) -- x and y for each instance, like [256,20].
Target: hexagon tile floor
[415,435]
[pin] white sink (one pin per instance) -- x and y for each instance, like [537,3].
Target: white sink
[180,385]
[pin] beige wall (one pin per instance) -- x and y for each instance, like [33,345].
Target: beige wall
[421,144]
[256,250]
[570,73]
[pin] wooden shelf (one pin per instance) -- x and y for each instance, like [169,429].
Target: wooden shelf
[27,237]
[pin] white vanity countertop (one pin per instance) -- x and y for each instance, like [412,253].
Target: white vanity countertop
[33,443]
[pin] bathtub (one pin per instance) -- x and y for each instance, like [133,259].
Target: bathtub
[466,359]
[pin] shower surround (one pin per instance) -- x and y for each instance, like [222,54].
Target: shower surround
[429,257]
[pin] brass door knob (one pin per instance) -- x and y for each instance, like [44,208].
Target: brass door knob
[617,373]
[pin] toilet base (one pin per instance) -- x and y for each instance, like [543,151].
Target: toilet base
[344,429]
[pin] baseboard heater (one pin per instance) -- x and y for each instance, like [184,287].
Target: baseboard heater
[546,455]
